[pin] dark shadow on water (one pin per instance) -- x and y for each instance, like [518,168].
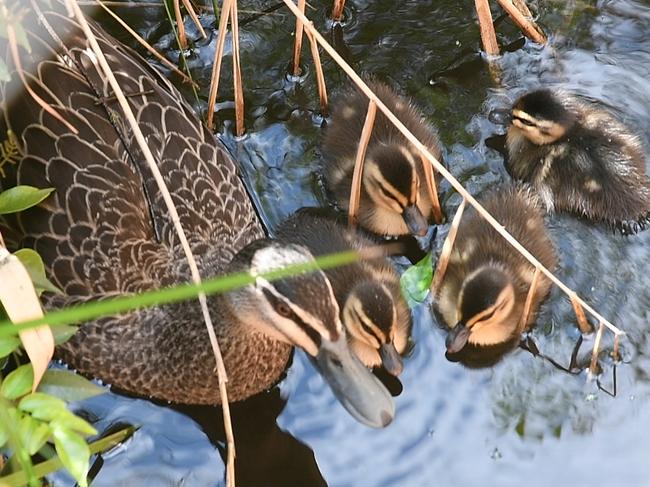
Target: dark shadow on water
[266,455]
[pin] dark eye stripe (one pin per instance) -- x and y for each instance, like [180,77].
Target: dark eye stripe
[367,327]
[275,302]
[525,121]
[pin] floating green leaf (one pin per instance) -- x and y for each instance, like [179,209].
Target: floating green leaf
[20,198]
[42,406]
[8,344]
[416,281]
[73,452]
[18,383]
[34,265]
[68,386]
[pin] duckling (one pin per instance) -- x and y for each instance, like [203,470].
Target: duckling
[394,197]
[482,294]
[106,232]
[373,311]
[580,159]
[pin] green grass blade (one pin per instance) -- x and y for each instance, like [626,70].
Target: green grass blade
[111,306]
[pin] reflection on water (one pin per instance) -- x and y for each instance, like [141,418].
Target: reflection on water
[524,419]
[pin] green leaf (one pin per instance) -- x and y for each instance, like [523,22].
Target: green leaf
[4,434]
[63,333]
[42,406]
[34,265]
[73,452]
[18,383]
[416,281]
[8,344]
[68,386]
[4,71]
[68,420]
[18,479]
[20,198]
[33,433]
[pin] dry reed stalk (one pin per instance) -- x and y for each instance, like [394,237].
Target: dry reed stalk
[442,170]
[320,76]
[238,87]
[195,18]
[432,190]
[583,324]
[218,57]
[528,27]
[593,365]
[122,4]
[145,44]
[182,38]
[297,47]
[488,37]
[355,190]
[337,10]
[615,353]
[525,315]
[447,247]
[2,242]
[522,7]
[15,55]
[173,213]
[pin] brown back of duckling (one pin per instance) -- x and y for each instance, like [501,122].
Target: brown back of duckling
[393,184]
[580,159]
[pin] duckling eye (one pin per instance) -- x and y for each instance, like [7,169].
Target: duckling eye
[283,309]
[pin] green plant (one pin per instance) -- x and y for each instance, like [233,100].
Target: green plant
[416,281]
[30,419]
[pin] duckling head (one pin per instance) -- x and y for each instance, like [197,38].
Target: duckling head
[485,311]
[300,309]
[542,116]
[370,318]
[391,181]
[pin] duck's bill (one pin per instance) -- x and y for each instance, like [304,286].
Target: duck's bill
[360,392]
[457,338]
[391,359]
[415,221]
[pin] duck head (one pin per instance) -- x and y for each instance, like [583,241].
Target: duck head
[391,180]
[301,310]
[370,318]
[487,318]
[542,116]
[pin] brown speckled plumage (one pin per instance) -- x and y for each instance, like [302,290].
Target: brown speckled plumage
[596,169]
[105,231]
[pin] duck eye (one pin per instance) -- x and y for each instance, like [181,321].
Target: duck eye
[283,309]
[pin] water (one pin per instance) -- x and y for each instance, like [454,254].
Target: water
[524,419]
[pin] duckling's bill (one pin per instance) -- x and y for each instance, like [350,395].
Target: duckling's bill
[391,359]
[457,337]
[415,221]
[360,392]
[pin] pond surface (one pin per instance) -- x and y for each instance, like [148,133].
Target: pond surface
[523,420]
